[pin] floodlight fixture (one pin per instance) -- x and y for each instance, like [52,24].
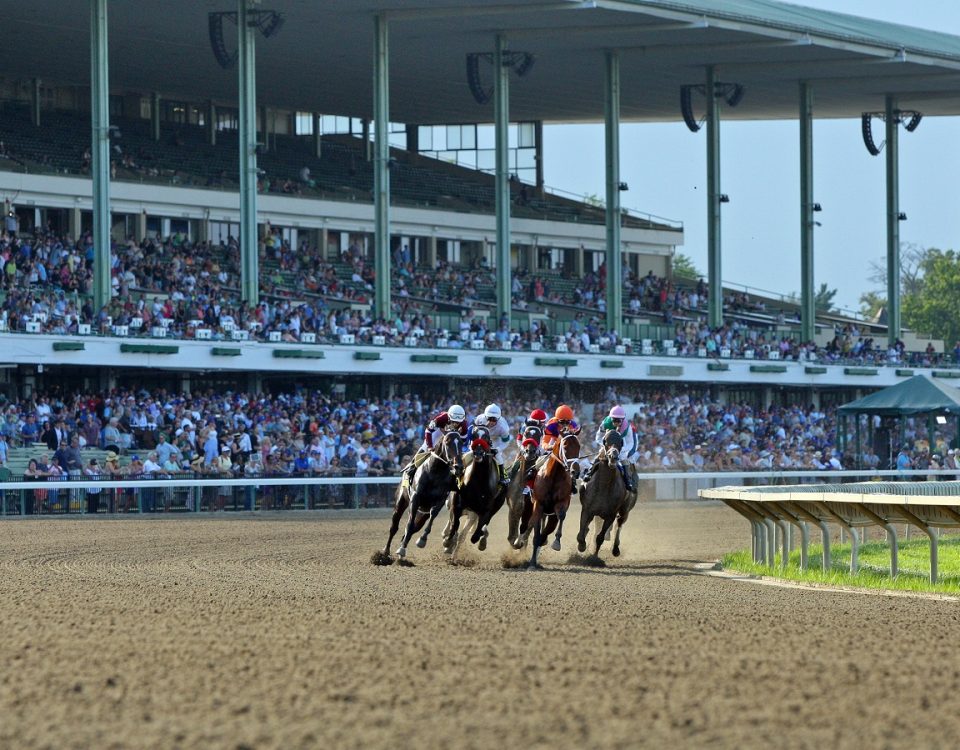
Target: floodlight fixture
[817,208]
[623,187]
[901,216]
[914,122]
[866,130]
[910,119]
[268,22]
[724,198]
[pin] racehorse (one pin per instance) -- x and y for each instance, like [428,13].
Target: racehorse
[518,504]
[605,495]
[551,493]
[435,478]
[479,495]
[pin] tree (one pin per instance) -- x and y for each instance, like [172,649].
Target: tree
[934,308]
[684,267]
[823,299]
[872,304]
[912,257]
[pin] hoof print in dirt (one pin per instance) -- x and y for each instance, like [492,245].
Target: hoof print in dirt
[587,561]
[405,563]
[381,558]
[462,562]
[512,562]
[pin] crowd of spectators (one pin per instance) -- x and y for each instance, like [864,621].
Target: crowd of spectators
[181,287]
[312,433]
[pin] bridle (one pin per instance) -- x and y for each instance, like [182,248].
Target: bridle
[559,453]
[454,463]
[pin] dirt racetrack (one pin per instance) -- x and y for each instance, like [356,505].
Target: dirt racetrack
[275,631]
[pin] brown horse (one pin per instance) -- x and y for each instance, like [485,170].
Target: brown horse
[551,493]
[518,504]
[435,479]
[605,496]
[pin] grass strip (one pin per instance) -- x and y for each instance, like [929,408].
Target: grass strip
[874,573]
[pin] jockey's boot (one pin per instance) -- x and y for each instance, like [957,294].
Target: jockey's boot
[627,479]
[504,477]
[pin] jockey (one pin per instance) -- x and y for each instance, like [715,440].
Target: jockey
[562,423]
[532,428]
[454,418]
[496,426]
[617,420]
[530,432]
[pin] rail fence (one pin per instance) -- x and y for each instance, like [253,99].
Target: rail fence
[188,493]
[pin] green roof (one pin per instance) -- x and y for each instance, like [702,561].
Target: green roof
[918,395]
[841,27]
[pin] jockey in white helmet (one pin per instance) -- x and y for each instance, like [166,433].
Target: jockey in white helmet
[499,430]
[454,418]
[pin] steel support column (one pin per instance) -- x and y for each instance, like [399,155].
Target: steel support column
[501,116]
[381,165]
[611,124]
[808,312]
[35,102]
[100,151]
[715,283]
[893,221]
[249,258]
[155,116]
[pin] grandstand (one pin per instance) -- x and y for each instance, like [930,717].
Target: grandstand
[182,315]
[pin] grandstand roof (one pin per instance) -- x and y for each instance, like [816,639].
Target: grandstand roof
[321,59]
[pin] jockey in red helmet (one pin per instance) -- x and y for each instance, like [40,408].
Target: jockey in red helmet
[531,433]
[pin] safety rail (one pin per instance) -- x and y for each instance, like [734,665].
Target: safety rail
[191,494]
[926,505]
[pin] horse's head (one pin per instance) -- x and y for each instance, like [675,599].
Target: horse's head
[480,447]
[529,450]
[449,451]
[568,451]
[612,443]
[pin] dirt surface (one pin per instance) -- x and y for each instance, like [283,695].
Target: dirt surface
[276,632]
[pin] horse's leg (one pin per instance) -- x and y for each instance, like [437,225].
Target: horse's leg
[561,516]
[525,523]
[585,516]
[434,512]
[411,528]
[483,521]
[536,523]
[621,520]
[449,541]
[398,508]
[602,534]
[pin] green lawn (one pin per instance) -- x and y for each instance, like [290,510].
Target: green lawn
[914,562]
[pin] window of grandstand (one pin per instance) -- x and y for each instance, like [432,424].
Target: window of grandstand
[173,112]
[473,146]
[222,231]
[227,119]
[303,123]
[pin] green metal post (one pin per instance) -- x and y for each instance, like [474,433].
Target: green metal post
[381,165]
[858,448]
[501,116]
[35,102]
[249,259]
[100,151]
[715,288]
[611,123]
[807,294]
[155,116]
[893,221]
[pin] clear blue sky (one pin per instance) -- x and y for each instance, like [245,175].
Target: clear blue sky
[760,173]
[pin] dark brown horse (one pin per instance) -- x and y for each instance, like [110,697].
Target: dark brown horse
[519,505]
[551,493]
[479,495]
[605,496]
[435,479]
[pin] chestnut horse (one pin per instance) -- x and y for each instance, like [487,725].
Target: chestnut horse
[551,493]
[479,495]
[518,504]
[435,479]
[605,496]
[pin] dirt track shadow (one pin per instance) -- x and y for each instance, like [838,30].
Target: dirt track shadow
[631,570]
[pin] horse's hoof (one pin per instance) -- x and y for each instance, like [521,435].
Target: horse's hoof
[534,566]
[401,552]
[483,543]
[581,546]
[556,545]
[616,552]
[448,551]
[422,542]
